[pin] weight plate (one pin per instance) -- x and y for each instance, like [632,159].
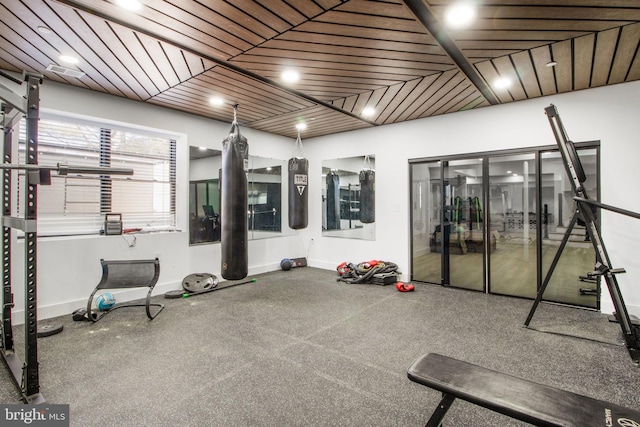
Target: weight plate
[199,282]
[48,330]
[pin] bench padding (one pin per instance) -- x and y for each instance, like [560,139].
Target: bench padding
[524,400]
[121,274]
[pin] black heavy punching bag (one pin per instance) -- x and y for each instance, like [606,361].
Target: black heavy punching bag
[333,201]
[367,196]
[298,194]
[233,210]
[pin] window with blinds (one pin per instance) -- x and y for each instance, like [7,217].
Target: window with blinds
[77,203]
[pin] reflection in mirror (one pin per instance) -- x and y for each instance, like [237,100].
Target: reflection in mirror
[264,196]
[348,202]
[204,211]
[204,195]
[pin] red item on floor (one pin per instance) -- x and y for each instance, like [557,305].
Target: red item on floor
[404,287]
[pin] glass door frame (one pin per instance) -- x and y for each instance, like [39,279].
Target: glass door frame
[485,155]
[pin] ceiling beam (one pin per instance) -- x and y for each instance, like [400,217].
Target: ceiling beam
[79,6]
[433,26]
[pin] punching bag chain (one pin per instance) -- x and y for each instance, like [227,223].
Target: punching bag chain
[367,162]
[235,114]
[297,148]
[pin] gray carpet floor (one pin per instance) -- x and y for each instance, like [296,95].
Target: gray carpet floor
[298,348]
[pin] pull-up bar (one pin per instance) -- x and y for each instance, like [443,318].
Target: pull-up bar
[67,169]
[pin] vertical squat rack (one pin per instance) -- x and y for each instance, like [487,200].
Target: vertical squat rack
[14,107]
[25,374]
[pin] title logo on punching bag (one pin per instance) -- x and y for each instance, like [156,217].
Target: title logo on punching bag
[300,181]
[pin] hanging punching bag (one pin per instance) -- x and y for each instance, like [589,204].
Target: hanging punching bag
[333,201]
[233,209]
[367,196]
[298,194]
[298,181]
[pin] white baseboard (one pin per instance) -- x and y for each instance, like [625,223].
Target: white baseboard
[68,307]
[324,265]
[122,295]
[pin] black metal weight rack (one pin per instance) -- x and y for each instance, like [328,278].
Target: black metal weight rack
[586,210]
[14,108]
[26,375]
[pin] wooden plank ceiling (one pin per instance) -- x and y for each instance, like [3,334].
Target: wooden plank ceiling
[395,56]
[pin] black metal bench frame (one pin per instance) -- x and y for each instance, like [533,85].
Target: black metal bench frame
[517,398]
[114,279]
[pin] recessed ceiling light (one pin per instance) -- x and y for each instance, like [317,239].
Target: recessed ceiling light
[129,4]
[44,30]
[301,126]
[515,174]
[203,148]
[290,76]
[552,64]
[217,101]
[459,15]
[508,171]
[368,111]
[69,59]
[501,83]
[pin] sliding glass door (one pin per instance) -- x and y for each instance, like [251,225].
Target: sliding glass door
[494,223]
[513,225]
[427,195]
[569,282]
[466,216]
[447,223]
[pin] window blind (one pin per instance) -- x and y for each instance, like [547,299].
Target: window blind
[77,203]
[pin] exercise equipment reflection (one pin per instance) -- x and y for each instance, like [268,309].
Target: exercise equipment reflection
[233,214]
[333,201]
[367,179]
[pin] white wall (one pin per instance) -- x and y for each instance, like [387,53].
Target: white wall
[608,114]
[68,269]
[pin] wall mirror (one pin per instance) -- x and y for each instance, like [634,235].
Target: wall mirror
[264,196]
[348,197]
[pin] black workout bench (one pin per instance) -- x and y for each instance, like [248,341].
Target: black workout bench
[517,398]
